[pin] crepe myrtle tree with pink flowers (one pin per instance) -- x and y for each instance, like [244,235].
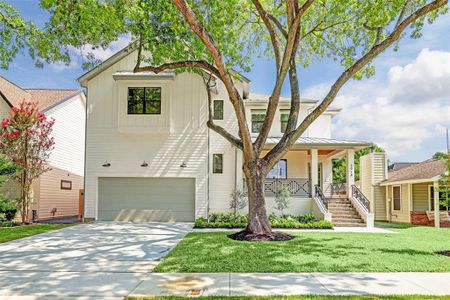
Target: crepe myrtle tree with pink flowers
[25,138]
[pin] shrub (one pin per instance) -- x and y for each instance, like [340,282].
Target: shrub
[238,200]
[282,199]
[229,220]
[9,224]
[7,210]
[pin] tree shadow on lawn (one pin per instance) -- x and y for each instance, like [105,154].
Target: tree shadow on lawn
[217,253]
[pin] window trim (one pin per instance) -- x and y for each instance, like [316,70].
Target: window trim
[215,117]
[393,200]
[144,101]
[212,164]
[283,112]
[254,111]
[66,188]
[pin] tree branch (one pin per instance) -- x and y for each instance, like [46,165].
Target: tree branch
[290,50]
[210,123]
[195,64]
[273,36]
[278,24]
[235,98]
[287,141]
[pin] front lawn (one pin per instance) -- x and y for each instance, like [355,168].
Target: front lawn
[411,250]
[14,233]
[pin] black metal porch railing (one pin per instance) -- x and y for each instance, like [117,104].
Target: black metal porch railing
[298,187]
[359,196]
[318,193]
[338,190]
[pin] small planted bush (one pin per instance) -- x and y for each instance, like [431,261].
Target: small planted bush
[7,210]
[229,220]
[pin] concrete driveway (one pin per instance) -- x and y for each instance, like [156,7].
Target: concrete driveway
[107,259]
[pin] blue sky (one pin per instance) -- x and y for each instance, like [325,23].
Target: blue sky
[404,108]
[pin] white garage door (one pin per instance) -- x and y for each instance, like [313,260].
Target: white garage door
[146,199]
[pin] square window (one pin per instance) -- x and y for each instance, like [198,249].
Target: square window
[218,110]
[144,101]
[66,184]
[258,116]
[217,163]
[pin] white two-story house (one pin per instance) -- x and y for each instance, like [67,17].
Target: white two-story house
[151,157]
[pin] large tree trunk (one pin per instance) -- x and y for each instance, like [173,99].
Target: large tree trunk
[258,221]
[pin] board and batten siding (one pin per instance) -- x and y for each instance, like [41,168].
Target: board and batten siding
[372,171]
[421,196]
[186,142]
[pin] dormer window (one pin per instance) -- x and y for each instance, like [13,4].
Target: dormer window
[144,100]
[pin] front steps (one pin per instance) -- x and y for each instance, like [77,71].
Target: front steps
[344,214]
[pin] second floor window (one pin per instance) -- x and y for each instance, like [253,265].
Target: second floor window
[258,116]
[284,117]
[144,101]
[218,110]
[217,163]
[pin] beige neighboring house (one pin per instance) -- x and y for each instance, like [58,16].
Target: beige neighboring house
[151,157]
[406,195]
[56,194]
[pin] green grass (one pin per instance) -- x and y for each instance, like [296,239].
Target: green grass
[393,297]
[14,233]
[385,224]
[410,250]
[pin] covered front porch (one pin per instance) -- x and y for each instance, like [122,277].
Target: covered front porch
[306,171]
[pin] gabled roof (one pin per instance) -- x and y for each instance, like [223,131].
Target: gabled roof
[423,171]
[12,93]
[45,98]
[48,98]
[400,165]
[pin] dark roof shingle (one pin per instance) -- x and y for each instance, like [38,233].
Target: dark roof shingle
[424,170]
[45,98]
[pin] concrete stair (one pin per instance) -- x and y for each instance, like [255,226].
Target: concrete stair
[344,214]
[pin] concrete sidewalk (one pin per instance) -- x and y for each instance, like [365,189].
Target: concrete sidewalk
[269,284]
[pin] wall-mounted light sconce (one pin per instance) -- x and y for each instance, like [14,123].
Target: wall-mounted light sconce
[106,164]
[144,164]
[183,165]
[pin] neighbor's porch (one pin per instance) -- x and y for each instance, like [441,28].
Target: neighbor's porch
[414,203]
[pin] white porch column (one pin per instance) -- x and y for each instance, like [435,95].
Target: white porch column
[350,170]
[314,169]
[437,216]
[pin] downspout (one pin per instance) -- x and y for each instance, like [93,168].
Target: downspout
[235,175]
[207,173]
[85,155]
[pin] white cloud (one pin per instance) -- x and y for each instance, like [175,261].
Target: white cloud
[401,114]
[103,54]
[60,66]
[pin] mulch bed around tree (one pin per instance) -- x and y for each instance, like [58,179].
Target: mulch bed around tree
[274,236]
[444,252]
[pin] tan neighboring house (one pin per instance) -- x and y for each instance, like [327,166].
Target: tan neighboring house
[56,194]
[406,195]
